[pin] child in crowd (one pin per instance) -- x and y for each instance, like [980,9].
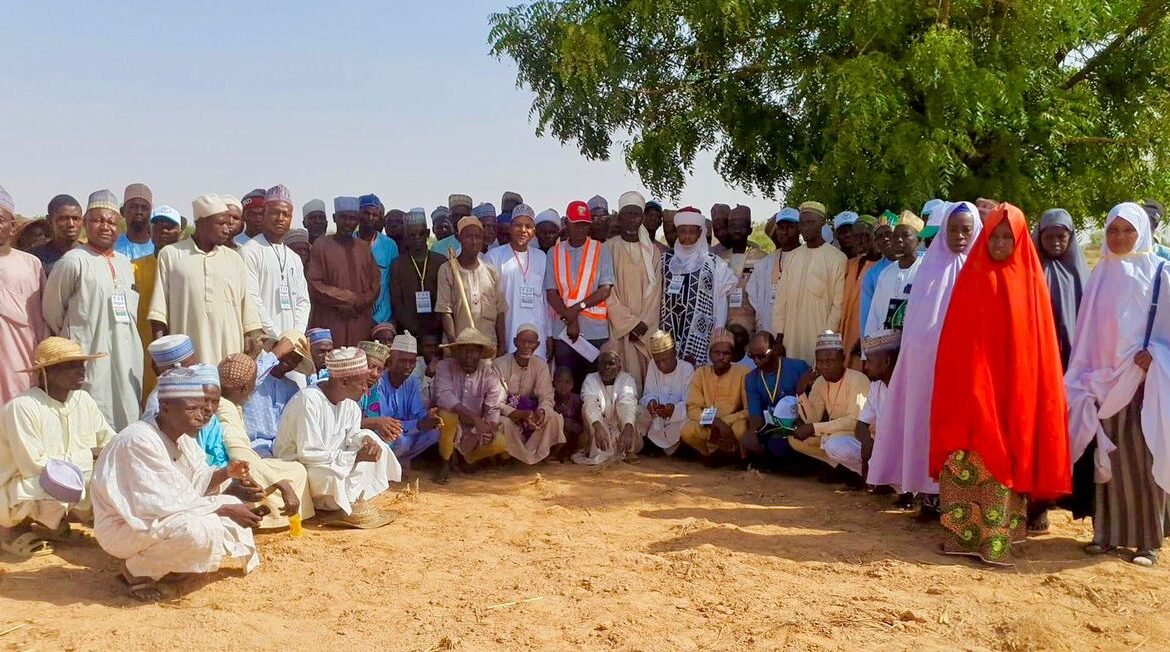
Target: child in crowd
[568,405]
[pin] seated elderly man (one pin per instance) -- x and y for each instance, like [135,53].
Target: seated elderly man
[237,380]
[320,343]
[829,412]
[158,505]
[49,438]
[274,389]
[399,396]
[717,416]
[171,351]
[665,396]
[531,426]
[470,395]
[321,428]
[609,405]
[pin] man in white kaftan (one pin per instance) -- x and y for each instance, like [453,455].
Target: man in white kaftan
[155,508]
[276,275]
[327,437]
[90,298]
[521,265]
[609,407]
[812,288]
[668,381]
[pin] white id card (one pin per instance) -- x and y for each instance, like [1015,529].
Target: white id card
[527,297]
[675,286]
[736,298]
[118,301]
[770,418]
[285,297]
[707,417]
[422,302]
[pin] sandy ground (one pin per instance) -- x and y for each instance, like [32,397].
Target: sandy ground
[664,555]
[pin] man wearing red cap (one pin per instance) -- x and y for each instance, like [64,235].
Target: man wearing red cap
[253,216]
[577,281]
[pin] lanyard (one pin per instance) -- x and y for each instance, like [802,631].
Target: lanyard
[775,386]
[525,266]
[109,261]
[423,273]
[282,261]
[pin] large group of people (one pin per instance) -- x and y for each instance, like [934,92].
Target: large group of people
[179,391]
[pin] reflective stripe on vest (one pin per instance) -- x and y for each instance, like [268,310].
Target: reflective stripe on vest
[571,296]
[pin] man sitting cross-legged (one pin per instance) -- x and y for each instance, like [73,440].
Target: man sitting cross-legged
[717,415]
[530,425]
[829,412]
[49,438]
[158,505]
[469,395]
[665,397]
[321,428]
[609,405]
[400,397]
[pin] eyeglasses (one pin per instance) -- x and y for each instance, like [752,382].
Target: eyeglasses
[760,356]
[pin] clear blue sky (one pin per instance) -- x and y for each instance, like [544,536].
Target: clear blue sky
[401,99]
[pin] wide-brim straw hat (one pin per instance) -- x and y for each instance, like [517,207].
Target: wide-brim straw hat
[58,350]
[301,347]
[472,337]
[365,515]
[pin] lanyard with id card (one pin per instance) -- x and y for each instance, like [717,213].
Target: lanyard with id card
[735,300]
[285,296]
[707,417]
[527,297]
[121,310]
[676,284]
[422,302]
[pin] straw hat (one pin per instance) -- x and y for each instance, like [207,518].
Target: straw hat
[58,350]
[472,337]
[300,347]
[365,515]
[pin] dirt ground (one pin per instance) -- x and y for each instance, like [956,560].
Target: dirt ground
[664,555]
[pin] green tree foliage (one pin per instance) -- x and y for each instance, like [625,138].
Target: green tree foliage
[865,104]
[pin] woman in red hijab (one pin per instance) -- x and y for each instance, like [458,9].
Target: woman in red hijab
[1004,436]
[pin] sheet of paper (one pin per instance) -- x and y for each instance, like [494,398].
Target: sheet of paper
[581,346]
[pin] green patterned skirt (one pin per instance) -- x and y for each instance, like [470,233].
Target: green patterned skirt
[982,517]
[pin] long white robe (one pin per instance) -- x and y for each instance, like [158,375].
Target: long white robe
[891,292]
[152,506]
[521,270]
[205,297]
[271,266]
[614,407]
[78,305]
[326,439]
[810,298]
[668,389]
[36,428]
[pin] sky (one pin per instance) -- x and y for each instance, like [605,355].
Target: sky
[402,99]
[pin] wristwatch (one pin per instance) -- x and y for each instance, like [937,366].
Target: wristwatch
[581,306]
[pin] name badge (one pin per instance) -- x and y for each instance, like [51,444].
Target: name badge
[707,417]
[774,290]
[285,297]
[527,297]
[736,298]
[675,286]
[118,302]
[422,302]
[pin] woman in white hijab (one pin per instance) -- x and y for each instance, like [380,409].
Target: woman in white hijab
[1118,383]
[695,288]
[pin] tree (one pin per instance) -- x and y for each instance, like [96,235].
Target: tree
[863,104]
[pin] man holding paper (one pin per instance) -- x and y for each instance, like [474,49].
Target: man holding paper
[577,281]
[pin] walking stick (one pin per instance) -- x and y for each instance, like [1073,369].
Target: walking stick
[455,267]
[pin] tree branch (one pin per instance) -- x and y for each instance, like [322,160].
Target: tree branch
[1149,16]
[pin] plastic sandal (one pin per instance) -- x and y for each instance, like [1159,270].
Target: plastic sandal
[28,545]
[1145,558]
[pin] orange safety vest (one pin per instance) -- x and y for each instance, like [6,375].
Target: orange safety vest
[577,293]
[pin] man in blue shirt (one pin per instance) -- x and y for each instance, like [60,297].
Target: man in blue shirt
[137,202]
[383,248]
[400,396]
[774,378]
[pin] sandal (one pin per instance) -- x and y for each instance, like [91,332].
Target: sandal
[66,534]
[1145,558]
[1099,549]
[143,590]
[28,545]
